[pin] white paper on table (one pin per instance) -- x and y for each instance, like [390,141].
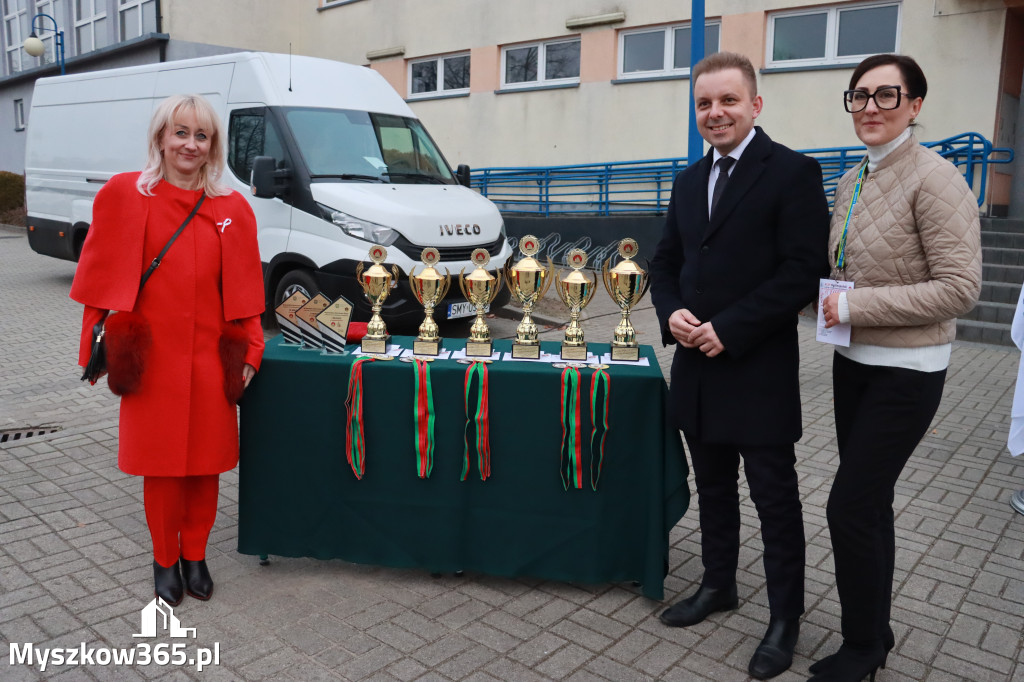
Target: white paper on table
[461,355]
[606,359]
[441,355]
[838,335]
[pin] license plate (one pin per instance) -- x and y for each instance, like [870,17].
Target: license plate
[462,309]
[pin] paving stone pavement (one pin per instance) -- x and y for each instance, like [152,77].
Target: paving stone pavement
[75,561]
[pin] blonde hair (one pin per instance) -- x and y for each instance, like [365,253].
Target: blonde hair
[209,174]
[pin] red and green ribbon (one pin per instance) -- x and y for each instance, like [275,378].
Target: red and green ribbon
[571,467]
[479,419]
[424,416]
[355,442]
[599,418]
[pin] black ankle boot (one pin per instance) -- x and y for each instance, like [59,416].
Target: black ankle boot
[167,582]
[888,642]
[853,664]
[198,582]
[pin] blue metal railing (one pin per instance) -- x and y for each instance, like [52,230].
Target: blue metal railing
[645,186]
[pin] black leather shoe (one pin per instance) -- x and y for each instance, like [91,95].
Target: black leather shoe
[774,654]
[700,605]
[198,582]
[167,583]
[888,642]
[853,664]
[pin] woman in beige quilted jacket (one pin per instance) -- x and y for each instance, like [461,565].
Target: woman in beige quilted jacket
[905,232]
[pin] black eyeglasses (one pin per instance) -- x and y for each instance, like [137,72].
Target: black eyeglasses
[886,97]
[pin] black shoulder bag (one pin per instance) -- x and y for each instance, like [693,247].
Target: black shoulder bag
[120,343]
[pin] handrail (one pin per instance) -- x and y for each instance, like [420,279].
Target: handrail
[645,186]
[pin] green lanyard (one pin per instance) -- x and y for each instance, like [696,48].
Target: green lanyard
[841,247]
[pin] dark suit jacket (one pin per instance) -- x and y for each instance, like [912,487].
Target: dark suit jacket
[749,271]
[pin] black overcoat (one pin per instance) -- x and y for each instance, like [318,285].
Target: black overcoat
[749,271]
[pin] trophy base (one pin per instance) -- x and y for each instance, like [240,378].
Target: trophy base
[626,353]
[478,349]
[574,353]
[375,346]
[526,352]
[426,347]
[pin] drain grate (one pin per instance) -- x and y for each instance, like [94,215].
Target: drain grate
[9,435]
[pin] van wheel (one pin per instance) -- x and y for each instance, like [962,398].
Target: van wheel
[295,281]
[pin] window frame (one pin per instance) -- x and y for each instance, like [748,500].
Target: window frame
[19,115]
[667,69]
[124,6]
[13,48]
[99,13]
[833,19]
[542,79]
[439,61]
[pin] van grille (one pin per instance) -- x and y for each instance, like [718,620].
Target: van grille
[448,253]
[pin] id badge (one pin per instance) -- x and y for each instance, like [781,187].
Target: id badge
[838,335]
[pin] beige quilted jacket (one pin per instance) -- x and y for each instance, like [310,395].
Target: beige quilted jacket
[913,250]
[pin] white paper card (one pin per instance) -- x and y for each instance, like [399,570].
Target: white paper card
[442,354]
[838,335]
[461,355]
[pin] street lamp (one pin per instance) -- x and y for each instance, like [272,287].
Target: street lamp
[34,46]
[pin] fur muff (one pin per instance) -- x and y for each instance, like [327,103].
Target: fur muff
[128,339]
[233,345]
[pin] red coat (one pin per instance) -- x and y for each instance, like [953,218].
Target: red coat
[180,422]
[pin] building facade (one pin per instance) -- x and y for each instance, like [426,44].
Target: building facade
[535,82]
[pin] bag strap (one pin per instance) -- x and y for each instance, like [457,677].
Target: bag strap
[156,261]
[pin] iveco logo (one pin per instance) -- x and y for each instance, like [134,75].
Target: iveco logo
[459,229]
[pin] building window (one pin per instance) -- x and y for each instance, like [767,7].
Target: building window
[447,75]
[552,63]
[90,25]
[19,114]
[650,53]
[15,31]
[136,17]
[833,35]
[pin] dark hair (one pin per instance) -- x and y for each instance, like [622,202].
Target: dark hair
[913,76]
[720,61]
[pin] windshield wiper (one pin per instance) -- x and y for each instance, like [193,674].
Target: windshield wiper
[347,176]
[418,176]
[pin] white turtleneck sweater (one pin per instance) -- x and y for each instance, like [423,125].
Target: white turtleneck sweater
[922,358]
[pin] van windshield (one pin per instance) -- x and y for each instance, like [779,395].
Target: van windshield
[357,145]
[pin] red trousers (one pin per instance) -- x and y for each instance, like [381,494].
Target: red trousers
[180,511]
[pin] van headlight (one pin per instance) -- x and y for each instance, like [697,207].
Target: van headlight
[359,228]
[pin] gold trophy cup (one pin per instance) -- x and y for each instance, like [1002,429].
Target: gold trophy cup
[626,283]
[528,280]
[429,288]
[480,288]
[376,284]
[576,290]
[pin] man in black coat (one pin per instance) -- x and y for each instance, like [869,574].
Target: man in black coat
[744,245]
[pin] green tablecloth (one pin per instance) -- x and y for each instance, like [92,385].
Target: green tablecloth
[299,497]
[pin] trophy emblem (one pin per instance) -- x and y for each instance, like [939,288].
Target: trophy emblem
[429,288]
[480,288]
[576,290]
[626,283]
[376,284]
[528,280]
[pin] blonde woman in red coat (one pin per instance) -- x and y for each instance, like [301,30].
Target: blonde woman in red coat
[200,328]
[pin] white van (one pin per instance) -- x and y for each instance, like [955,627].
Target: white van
[341,163]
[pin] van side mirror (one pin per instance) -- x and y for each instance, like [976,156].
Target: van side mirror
[266,181]
[462,174]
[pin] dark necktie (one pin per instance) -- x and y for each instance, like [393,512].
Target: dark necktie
[724,164]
